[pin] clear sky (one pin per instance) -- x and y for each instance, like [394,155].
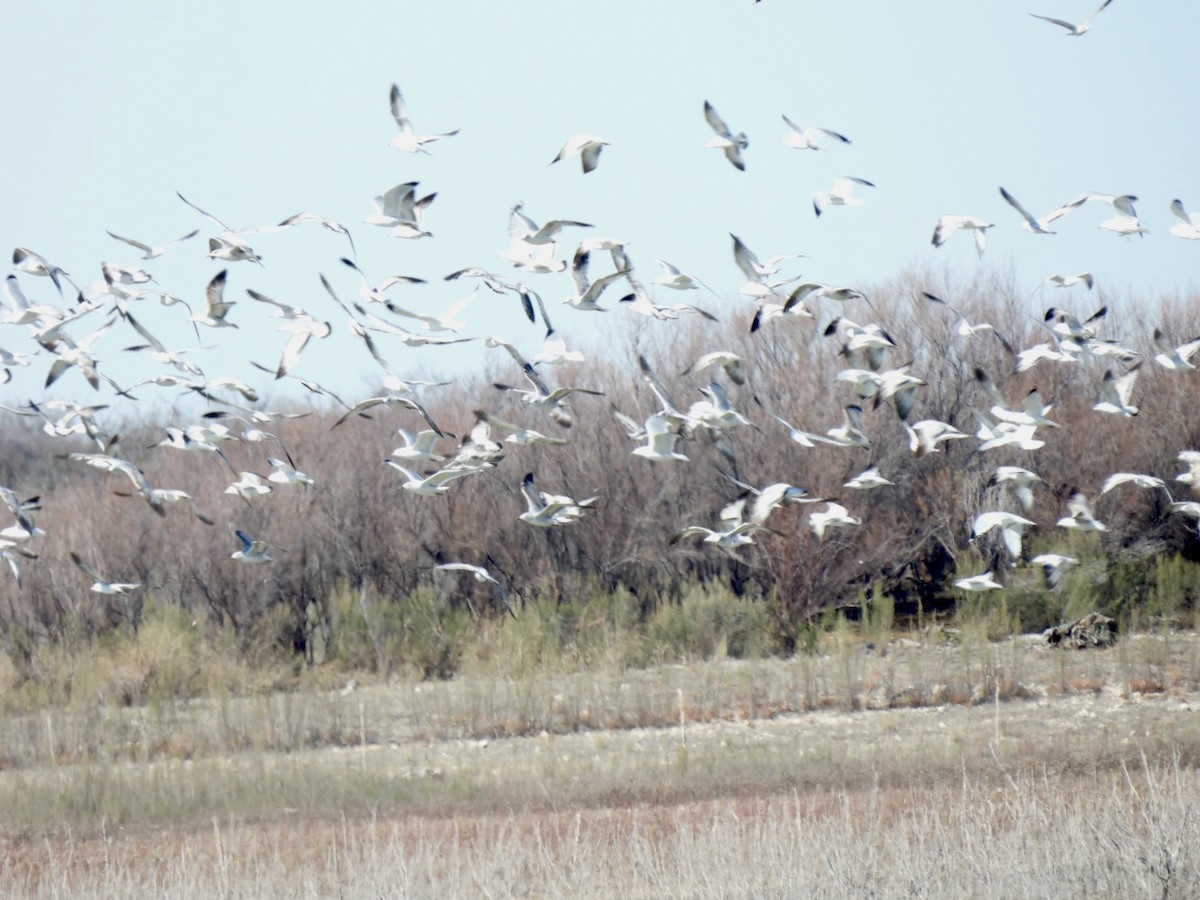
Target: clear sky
[256,111]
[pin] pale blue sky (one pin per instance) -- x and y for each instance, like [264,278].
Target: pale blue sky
[256,111]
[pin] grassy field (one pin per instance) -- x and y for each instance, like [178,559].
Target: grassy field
[941,765]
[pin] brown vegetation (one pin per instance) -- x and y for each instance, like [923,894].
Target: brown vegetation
[356,549]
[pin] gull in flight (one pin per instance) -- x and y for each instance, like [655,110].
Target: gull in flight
[436,482]
[151,252]
[985,582]
[248,485]
[101,585]
[587,294]
[736,533]
[545,399]
[833,516]
[1074,30]
[1022,481]
[389,400]
[408,140]
[771,497]
[1064,281]
[1052,566]
[950,223]
[399,209]
[524,229]
[965,328]
[483,576]
[729,362]
[285,473]
[251,551]
[1116,391]
[661,436]
[1003,434]
[587,146]
[216,308]
[1188,226]
[866,480]
[842,193]
[808,138]
[731,144]
[1011,527]
[26,260]
[1040,224]
[547,510]
[924,436]
[1137,479]
[1172,357]
[1081,518]
[419,447]
[227,245]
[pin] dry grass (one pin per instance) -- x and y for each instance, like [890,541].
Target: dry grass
[1122,833]
[915,769]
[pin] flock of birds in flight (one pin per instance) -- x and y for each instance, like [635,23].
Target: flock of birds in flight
[426,462]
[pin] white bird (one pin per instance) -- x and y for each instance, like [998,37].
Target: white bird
[731,144]
[555,353]
[729,362]
[587,293]
[676,279]
[1081,518]
[1052,566]
[1040,224]
[1022,481]
[549,401]
[248,485]
[229,245]
[808,138]
[399,209]
[1074,30]
[661,436]
[285,473]
[1004,434]
[841,194]
[251,550]
[1033,410]
[483,576]
[547,510]
[736,534]
[765,500]
[965,328]
[924,436]
[1116,391]
[527,231]
[1149,482]
[408,140]
[588,148]
[833,516]
[1172,357]
[1192,476]
[419,447]
[1064,281]
[949,223]
[150,252]
[1188,226]
[984,582]
[436,482]
[101,585]
[26,260]
[866,480]
[1011,528]
[752,268]
[216,308]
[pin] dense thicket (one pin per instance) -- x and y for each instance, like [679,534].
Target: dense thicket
[357,529]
